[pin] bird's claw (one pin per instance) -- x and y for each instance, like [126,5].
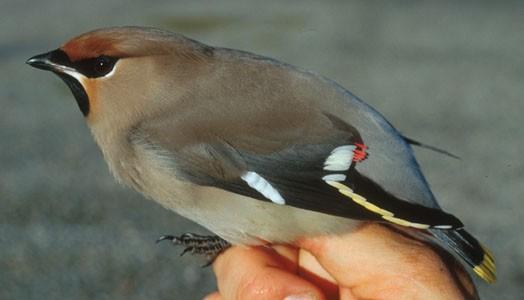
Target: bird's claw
[208,246]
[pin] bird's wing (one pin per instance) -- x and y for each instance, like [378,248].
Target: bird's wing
[319,173]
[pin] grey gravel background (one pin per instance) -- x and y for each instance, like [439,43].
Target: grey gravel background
[449,73]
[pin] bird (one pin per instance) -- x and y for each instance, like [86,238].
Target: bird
[256,150]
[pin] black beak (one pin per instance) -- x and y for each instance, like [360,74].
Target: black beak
[50,61]
[41,61]
[58,62]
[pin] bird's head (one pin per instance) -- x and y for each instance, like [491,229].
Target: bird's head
[117,74]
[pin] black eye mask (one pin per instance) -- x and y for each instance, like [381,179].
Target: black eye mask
[89,67]
[95,67]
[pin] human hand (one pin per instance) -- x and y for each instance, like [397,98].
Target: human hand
[373,262]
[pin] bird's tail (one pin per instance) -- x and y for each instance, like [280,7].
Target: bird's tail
[470,250]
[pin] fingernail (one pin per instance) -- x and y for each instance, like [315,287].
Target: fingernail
[300,297]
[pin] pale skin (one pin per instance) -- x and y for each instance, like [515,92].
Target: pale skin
[374,262]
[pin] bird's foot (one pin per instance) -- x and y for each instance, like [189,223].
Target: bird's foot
[209,246]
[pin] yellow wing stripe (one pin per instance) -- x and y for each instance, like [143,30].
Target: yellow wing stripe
[486,269]
[385,214]
[405,223]
[339,186]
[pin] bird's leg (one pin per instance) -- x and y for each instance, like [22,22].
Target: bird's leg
[210,246]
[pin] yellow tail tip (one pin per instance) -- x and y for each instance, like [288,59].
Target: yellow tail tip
[486,269]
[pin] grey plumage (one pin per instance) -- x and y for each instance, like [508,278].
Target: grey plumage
[185,123]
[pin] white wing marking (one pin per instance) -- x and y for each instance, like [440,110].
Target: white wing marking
[334,177]
[263,186]
[340,158]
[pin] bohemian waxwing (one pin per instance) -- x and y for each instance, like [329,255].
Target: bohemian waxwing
[256,150]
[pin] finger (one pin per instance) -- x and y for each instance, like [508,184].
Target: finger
[290,255]
[347,294]
[213,296]
[259,273]
[371,250]
[380,263]
[311,270]
[310,265]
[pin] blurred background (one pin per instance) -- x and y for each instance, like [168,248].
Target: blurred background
[448,73]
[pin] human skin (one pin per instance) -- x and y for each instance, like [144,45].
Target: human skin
[373,262]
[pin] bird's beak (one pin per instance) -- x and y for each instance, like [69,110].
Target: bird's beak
[41,61]
[56,61]
[59,63]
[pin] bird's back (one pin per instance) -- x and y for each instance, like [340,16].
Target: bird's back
[291,94]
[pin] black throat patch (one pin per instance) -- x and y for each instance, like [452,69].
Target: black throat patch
[78,92]
[59,63]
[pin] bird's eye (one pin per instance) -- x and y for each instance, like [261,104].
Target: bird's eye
[102,65]
[95,67]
